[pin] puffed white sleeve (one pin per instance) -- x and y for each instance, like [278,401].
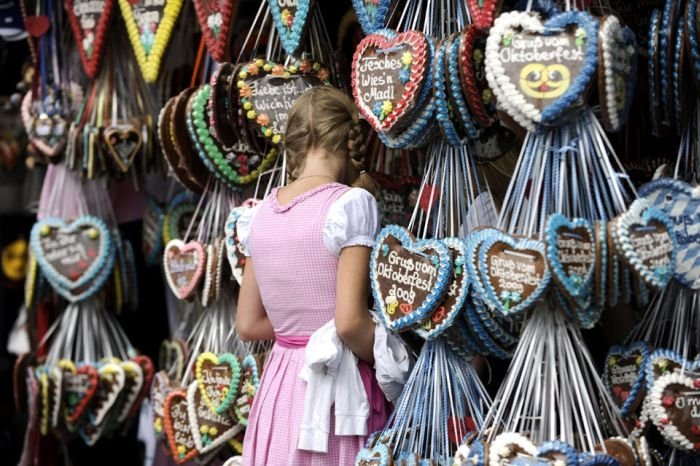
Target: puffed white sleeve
[352,220]
[243,226]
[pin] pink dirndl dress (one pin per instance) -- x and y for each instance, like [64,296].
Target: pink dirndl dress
[296,274]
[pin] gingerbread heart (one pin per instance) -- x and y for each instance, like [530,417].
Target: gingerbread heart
[372,14]
[250,380]
[75,258]
[681,202]
[443,317]
[511,448]
[538,71]
[184,266]
[79,387]
[171,357]
[647,243]
[149,26]
[133,384]
[378,455]
[159,390]
[483,11]
[147,370]
[215,19]
[663,361]
[110,382]
[675,409]
[408,277]
[571,254]
[514,273]
[48,134]
[123,143]
[388,75]
[624,375]
[218,378]
[209,430]
[177,427]
[89,20]
[290,18]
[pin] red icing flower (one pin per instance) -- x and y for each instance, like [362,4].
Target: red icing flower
[668,401]
[696,383]
[695,430]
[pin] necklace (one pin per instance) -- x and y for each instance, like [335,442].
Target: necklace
[315,176]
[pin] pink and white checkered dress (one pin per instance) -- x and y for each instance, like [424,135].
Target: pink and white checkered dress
[296,274]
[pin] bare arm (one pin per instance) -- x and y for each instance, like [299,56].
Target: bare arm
[353,321]
[252,322]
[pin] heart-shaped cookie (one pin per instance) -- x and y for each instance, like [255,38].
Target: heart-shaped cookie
[235,250]
[617,72]
[446,312]
[76,258]
[408,278]
[159,390]
[149,26]
[147,370]
[372,14]
[218,378]
[377,455]
[512,448]
[647,243]
[571,254]
[514,273]
[89,20]
[624,376]
[388,76]
[662,361]
[123,143]
[209,430]
[47,134]
[290,18]
[79,387]
[110,382]
[675,409]
[215,19]
[538,71]
[681,202]
[133,384]
[250,380]
[483,11]
[177,427]
[184,266]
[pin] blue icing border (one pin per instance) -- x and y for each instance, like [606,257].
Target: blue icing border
[554,223]
[455,83]
[691,365]
[563,448]
[291,40]
[440,92]
[556,109]
[622,351]
[442,280]
[369,26]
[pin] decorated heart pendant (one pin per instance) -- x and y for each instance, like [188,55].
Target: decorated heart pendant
[388,76]
[483,12]
[184,266]
[149,26]
[538,71]
[681,202]
[123,143]
[624,376]
[408,277]
[209,430]
[76,258]
[159,390]
[215,19]
[290,17]
[647,243]
[218,379]
[79,387]
[571,254]
[371,14]
[89,20]
[177,427]
[250,380]
[446,312]
[171,357]
[514,273]
[675,409]
[235,250]
[511,448]
[133,384]
[378,455]
[110,382]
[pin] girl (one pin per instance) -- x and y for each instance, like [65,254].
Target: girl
[309,245]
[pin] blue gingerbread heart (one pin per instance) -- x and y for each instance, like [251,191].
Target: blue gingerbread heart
[408,278]
[290,18]
[624,374]
[378,455]
[372,14]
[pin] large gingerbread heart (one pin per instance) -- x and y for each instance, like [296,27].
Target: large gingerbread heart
[149,25]
[514,273]
[76,258]
[184,266]
[209,430]
[624,376]
[388,75]
[408,277]
[675,409]
[218,379]
[538,71]
[290,18]
[177,427]
[89,20]
[215,19]
[681,202]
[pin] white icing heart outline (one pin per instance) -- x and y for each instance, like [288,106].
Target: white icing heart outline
[222,438]
[658,411]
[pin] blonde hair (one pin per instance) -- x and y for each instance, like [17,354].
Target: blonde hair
[325,118]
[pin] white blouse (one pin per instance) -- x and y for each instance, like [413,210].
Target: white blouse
[352,220]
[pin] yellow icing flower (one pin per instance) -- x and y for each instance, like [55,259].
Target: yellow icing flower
[387,107]
[213,431]
[247,106]
[276,139]
[267,67]
[158,425]
[259,62]
[243,74]
[293,69]
[407,58]
[203,429]
[268,132]
[251,114]
[181,449]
